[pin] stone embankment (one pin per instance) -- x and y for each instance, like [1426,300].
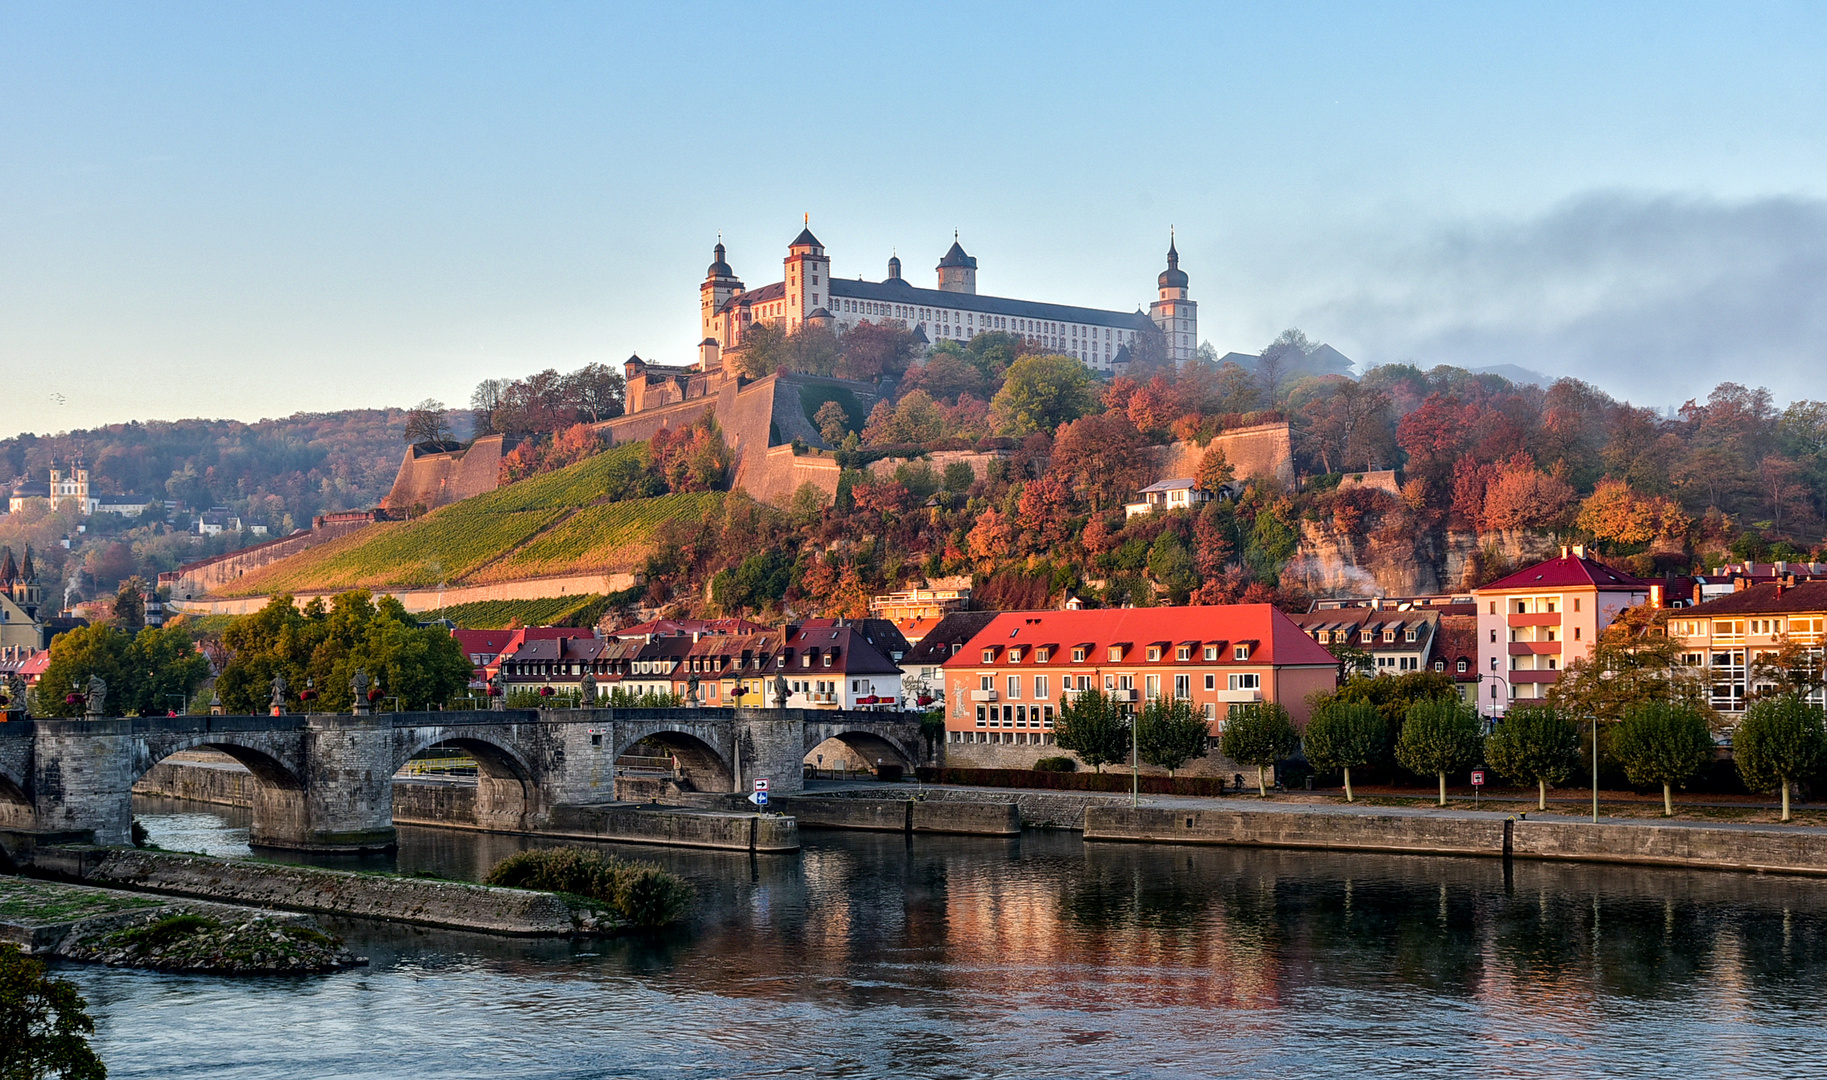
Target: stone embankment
[1765,849]
[450,904]
[453,806]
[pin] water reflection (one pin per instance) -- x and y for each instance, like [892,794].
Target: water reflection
[877,955]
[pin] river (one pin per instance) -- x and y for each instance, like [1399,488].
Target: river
[871,955]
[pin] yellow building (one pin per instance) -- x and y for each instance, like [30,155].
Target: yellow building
[1725,638]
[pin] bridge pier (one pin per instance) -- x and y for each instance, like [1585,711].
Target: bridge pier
[347,802]
[82,778]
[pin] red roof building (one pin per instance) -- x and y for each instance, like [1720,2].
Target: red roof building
[1003,686]
[1535,622]
[486,649]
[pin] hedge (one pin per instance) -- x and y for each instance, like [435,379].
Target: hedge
[1081,781]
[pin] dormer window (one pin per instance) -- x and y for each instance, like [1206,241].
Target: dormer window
[1042,655]
[1154,652]
[1183,652]
[1015,655]
[1241,652]
[1114,653]
[989,656]
[1462,667]
[1078,655]
[1211,652]
[1411,635]
[1389,636]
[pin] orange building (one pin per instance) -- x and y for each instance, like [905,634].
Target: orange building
[1003,686]
[1535,622]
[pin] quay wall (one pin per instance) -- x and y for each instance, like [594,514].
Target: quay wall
[964,818]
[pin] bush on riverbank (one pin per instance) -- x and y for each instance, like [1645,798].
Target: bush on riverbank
[640,892]
[1057,781]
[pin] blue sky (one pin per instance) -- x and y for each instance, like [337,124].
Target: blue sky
[249,210]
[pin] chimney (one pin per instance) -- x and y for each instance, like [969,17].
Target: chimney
[1655,597]
[1579,551]
[1563,551]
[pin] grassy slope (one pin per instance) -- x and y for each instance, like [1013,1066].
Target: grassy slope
[535,528]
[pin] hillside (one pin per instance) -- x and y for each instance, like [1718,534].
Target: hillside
[557,523]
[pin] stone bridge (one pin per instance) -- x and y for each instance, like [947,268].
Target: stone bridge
[325,782]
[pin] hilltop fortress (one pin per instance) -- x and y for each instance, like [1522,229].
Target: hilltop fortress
[763,418]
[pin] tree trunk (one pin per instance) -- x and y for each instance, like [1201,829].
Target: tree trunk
[1348,783]
[1785,798]
[1668,801]
[1262,785]
[1542,802]
[1443,789]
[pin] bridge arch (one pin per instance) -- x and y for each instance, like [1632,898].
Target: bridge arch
[507,791]
[279,810]
[15,805]
[701,766]
[855,747]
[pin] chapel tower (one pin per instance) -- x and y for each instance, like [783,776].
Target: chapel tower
[957,271]
[720,283]
[1177,316]
[808,277]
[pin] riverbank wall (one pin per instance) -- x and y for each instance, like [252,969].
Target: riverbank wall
[449,904]
[904,815]
[1763,850]
[446,805]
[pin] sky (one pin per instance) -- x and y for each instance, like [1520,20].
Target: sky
[251,210]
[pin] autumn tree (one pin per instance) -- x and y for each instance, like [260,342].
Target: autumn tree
[1102,459]
[875,350]
[428,422]
[1634,662]
[1614,514]
[1215,472]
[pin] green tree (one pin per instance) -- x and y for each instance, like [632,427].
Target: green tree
[833,422]
[1439,737]
[1662,742]
[1258,734]
[148,673]
[1170,733]
[1171,565]
[1779,739]
[44,1024]
[1040,393]
[1344,735]
[322,646]
[1535,745]
[1393,696]
[130,606]
[1094,728]
[1634,662]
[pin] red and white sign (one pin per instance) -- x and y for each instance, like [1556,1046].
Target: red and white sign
[1478,778]
[761,783]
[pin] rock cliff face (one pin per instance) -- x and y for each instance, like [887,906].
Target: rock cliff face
[1332,562]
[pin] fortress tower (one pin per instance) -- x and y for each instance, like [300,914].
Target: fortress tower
[957,271]
[720,283]
[808,277]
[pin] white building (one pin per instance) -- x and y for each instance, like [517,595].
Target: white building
[953,311]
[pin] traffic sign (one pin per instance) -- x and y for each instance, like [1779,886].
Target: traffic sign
[759,798]
[1477,777]
[761,783]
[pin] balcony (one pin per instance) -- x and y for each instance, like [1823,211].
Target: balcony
[1522,678]
[1536,648]
[1234,696]
[1122,695]
[981,696]
[822,699]
[1545,618]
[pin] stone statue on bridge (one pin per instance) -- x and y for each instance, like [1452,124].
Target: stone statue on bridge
[497,701]
[586,689]
[780,691]
[95,701]
[278,700]
[691,691]
[358,686]
[13,691]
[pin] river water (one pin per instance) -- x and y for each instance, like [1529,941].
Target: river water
[872,955]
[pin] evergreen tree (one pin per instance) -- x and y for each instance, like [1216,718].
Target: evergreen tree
[1258,734]
[1343,735]
[1779,740]
[1094,728]
[1535,744]
[44,1024]
[1439,737]
[130,607]
[1662,742]
[1170,733]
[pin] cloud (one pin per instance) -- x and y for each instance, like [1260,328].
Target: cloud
[1656,299]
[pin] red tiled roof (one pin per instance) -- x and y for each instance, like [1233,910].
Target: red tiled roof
[1274,637]
[1568,571]
[1767,597]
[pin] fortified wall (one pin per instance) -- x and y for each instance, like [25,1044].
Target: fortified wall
[196,579]
[431,477]
[1261,451]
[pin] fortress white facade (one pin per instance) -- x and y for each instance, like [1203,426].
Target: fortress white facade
[954,311]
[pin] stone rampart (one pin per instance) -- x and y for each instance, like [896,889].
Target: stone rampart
[431,478]
[432,599]
[201,577]
[1265,450]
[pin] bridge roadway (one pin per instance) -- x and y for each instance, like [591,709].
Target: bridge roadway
[324,782]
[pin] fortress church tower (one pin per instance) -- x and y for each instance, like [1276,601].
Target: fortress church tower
[1177,316]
